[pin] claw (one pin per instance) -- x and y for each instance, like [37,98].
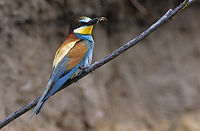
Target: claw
[83,68]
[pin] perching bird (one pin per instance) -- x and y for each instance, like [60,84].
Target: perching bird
[74,55]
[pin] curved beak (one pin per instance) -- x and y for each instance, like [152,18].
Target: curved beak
[96,20]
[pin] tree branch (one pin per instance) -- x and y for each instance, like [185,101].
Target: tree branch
[170,13]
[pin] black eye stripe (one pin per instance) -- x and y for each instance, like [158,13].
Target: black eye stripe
[79,24]
[84,23]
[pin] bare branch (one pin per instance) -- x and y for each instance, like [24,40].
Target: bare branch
[170,13]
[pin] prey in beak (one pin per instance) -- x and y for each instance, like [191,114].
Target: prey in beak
[96,20]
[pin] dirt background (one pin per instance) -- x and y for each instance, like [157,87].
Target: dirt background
[154,86]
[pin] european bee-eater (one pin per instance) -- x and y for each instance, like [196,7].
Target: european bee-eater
[74,55]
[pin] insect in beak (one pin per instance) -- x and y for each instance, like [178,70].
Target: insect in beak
[96,20]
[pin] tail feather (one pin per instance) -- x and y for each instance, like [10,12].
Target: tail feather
[60,83]
[41,101]
[50,90]
[55,87]
[41,106]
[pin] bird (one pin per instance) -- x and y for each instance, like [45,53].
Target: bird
[73,56]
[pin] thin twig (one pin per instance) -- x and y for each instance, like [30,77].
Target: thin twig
[170,13]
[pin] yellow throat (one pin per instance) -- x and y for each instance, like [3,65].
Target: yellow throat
[84,30]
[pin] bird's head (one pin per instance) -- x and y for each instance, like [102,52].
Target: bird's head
[84,25]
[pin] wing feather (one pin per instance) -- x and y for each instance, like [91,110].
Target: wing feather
[63,69]
[76,54]
[69,61]
[62,51]
[68,66]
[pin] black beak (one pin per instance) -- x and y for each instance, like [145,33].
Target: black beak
[96,20]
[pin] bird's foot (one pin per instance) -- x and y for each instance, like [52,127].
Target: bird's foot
[83,68]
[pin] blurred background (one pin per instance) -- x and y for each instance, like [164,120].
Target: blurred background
[154,86]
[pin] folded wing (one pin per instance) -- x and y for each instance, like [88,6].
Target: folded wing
[66,63]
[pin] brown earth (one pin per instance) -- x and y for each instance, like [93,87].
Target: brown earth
[154,86]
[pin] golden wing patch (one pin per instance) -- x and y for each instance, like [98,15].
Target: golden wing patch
[62,51]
